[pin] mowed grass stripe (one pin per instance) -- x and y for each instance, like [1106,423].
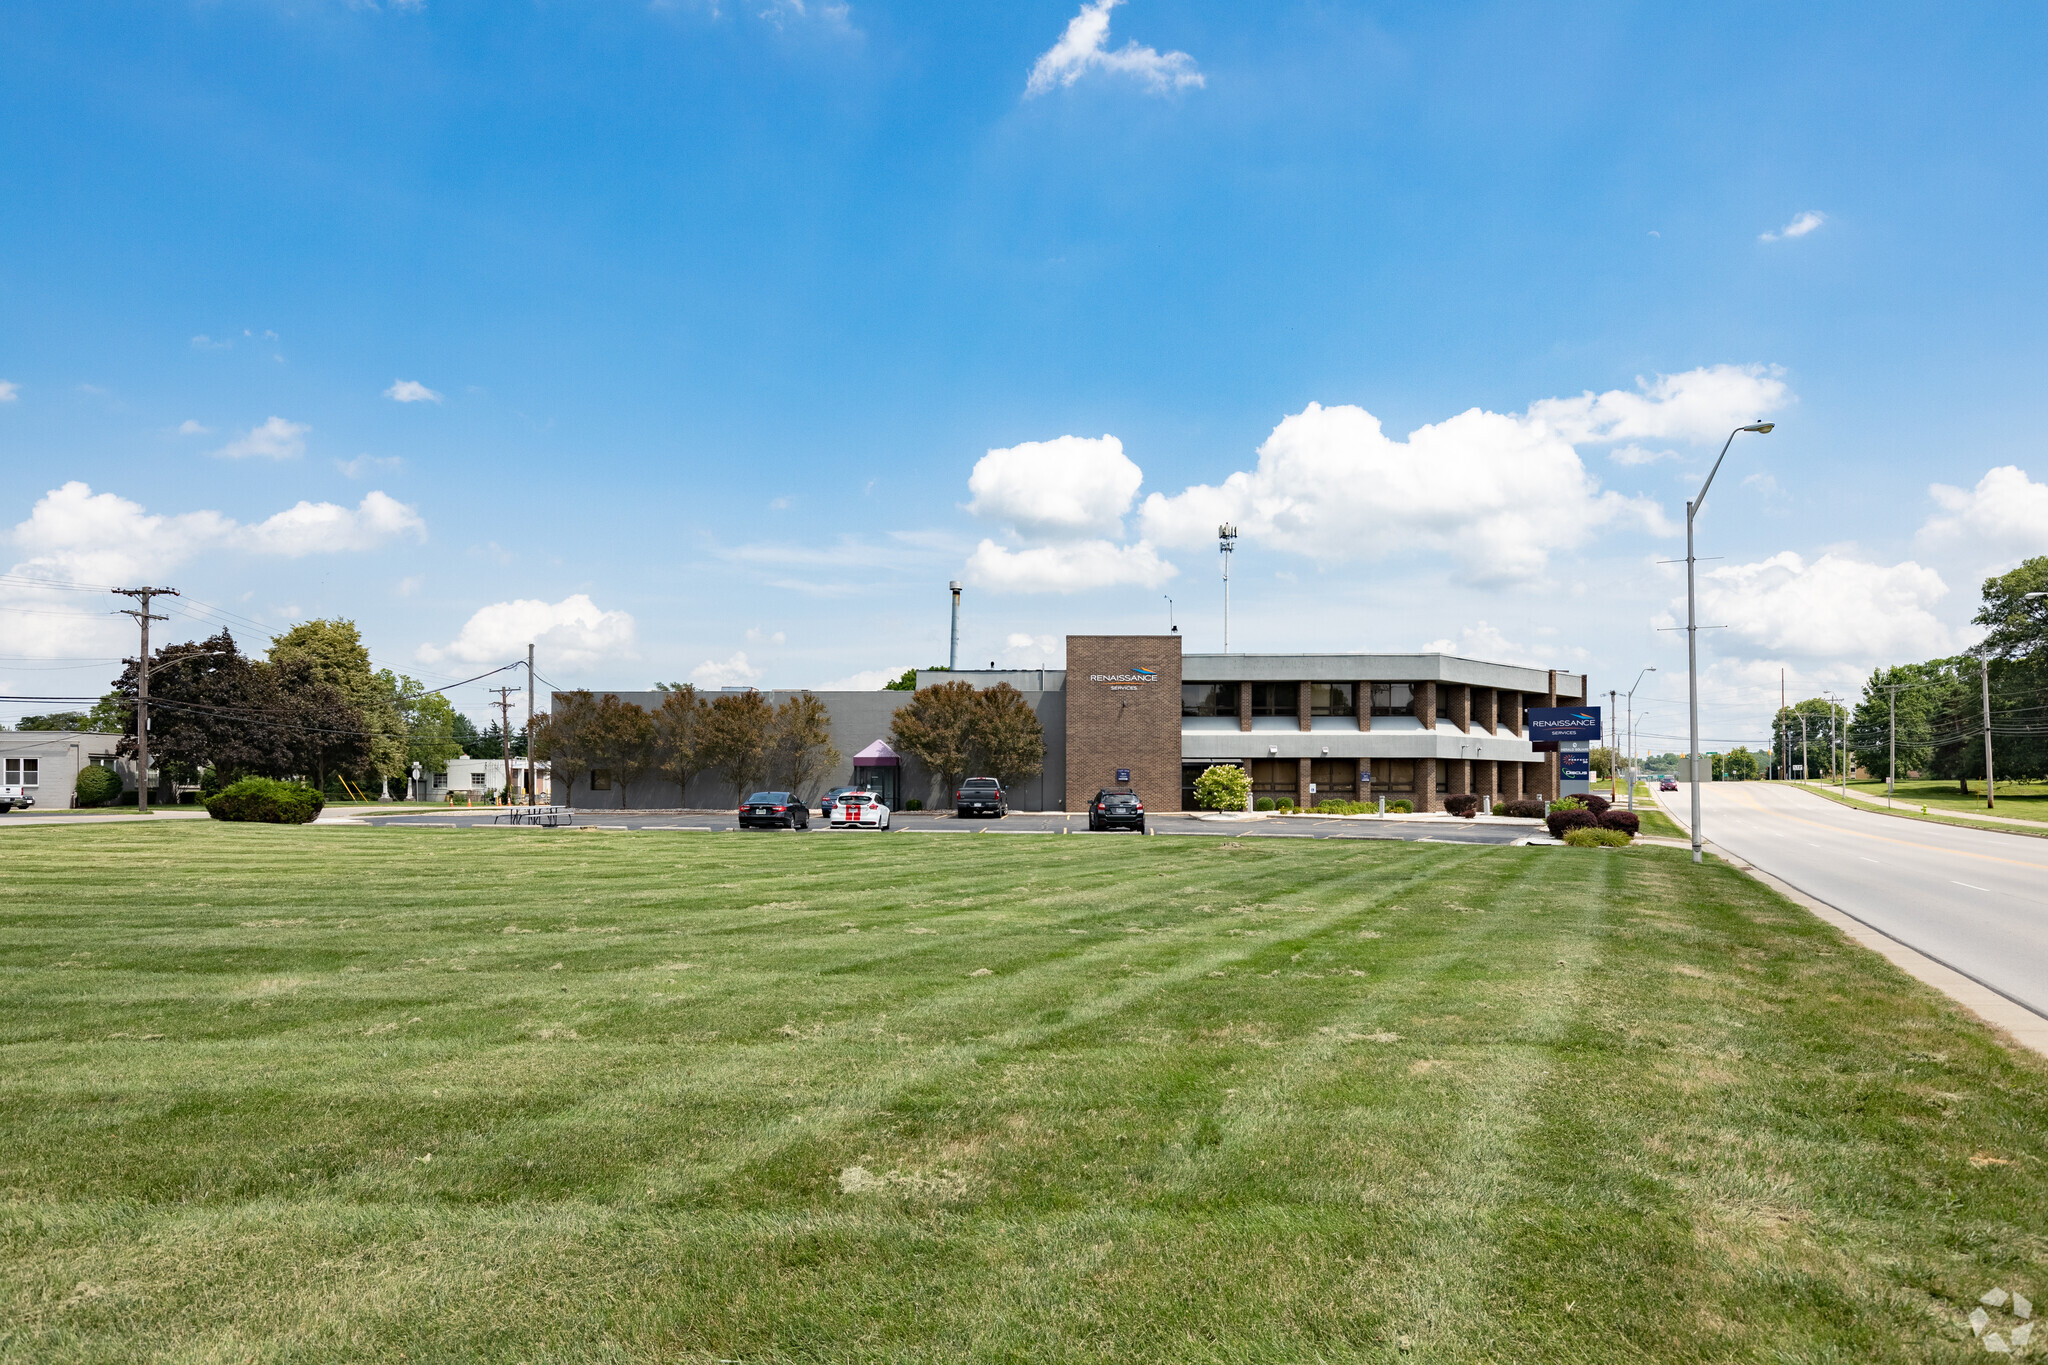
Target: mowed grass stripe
[1635,1110]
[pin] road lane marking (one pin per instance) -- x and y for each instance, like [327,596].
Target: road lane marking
[1867,860]
[1985,889]
[1761,809]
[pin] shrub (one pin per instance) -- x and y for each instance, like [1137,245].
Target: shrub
[1464,804]
[1569,818]
[1596,804]
[97,786]
[1223,787]
[1404,807]
[1528,808]
[1264,803]
[1627,821]
[268,801]
[914,803]
[1592,836]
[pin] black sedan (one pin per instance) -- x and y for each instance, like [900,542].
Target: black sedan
[831,799]
[775,810]
[1116,808]
[981,796]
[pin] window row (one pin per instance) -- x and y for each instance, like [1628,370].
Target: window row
[1324,699]
[23,772]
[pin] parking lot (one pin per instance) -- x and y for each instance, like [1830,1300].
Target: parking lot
[1436,829]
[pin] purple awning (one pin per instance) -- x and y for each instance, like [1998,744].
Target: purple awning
[876,755]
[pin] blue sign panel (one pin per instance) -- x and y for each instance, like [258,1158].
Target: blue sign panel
[1123,777]
[1564,722]
[1577,768]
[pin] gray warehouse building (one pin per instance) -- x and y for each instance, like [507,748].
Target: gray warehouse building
[1306,727]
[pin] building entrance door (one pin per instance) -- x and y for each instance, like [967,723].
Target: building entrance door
[1277,779]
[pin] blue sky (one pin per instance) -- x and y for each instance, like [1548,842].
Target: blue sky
[709,313]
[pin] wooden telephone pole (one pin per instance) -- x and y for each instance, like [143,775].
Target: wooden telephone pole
[143,617]
[505,735]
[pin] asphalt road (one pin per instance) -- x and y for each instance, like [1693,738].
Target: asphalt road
[1973,900]
[919,822]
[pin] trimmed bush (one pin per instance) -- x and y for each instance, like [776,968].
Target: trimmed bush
[914,803]
[1596,804]
[1222,787]
[1627,821]
[1569,818]
[1592,836]
[1264,803]
[1528,808]
[267,801]
[1464,805]
[97,786]
[1404,807]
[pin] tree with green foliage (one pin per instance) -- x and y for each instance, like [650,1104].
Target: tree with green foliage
[1817,752]
[800,750]
[622,733]
[567,738]
[908,682]
[333,653]
[733,739]
[1007,740]
[430,724]
[677,722]
[937,728]
[2016,621]
[1225,786]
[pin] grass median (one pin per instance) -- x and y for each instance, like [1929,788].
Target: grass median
[295,1094]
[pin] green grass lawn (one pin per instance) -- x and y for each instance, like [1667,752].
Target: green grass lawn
[2018,801]
[1654,820]
[326,1094]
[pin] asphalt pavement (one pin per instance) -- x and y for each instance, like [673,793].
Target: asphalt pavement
[1974,900]
[943,824]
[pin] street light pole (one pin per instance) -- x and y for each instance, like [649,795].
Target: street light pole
[1692,630]
[1632,734]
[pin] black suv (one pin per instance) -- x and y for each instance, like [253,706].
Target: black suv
[981,796]
[1116,808]
[770,810]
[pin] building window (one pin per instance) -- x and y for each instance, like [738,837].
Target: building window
[1279,778]
[476,780]
[600,779]
[1276,699]
[24,772]
[1393,775]
[1208,699]
[1330,699]
[1443,701]
[1393,699]
[440,781]
[1336,779]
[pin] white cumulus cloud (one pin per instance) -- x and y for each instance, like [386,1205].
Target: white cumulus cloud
[411,391]
[1800,225]
[1832,608]
[1494,494]
[9,391]
[570,633]
[1484,641]
[190,427]
[2003,519]
[867,680]
[1067,566]
[326,527]
[1073,486]
[275,439]
[733,672]
[1699,405]
[1084,47]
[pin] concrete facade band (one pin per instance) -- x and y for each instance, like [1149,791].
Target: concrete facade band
[1414,727]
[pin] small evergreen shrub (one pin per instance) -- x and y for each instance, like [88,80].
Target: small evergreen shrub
[1527,808]
[1402,807]
[1464,805]
[1627,821]
[267,801]
[1264,803]
[914,803]
[97,786]
[1563,821]
[1592,836]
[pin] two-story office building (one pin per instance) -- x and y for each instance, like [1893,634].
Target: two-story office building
[1134,710]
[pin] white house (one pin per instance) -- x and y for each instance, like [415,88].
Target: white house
[484,776]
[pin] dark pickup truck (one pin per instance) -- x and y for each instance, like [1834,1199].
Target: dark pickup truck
[981,796]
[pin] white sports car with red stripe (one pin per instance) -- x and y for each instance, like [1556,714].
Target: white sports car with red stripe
[860,810]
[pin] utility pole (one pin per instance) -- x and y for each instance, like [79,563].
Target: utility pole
[1785,744]
[1226,541]
[142,615]
[1990,783]
[505,733]
[532,784]
[1891,775]
[1805,758]
[1613,759]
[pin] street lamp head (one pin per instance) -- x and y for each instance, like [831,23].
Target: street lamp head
[1760,428]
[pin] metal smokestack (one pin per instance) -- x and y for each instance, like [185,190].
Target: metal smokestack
[953,654]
